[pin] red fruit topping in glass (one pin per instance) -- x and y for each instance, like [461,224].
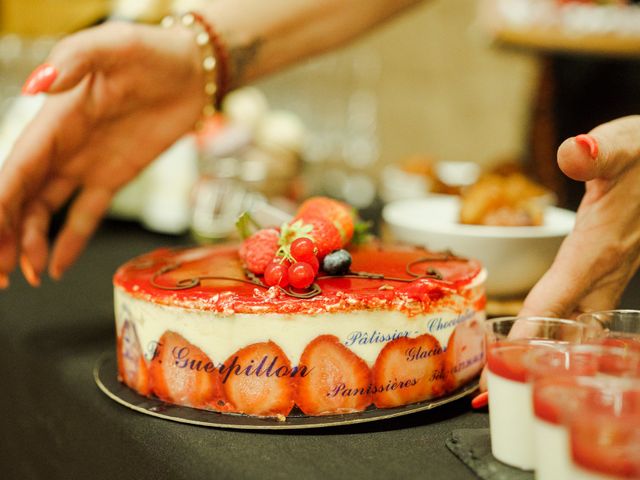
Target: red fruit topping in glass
[511,359]
[556,397]
[586,360]
[618,340]
[607,444]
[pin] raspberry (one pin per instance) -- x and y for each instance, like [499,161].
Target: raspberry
[259,249]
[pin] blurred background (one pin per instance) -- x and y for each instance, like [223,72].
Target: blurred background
[424,103]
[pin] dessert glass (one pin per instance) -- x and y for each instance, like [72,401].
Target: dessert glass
[604,433]
[510,393]
[617,327]
[562,382]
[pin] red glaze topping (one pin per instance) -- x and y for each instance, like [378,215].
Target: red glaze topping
[615,362]
[511,359]
[508,362]
[618,340]
[607,442]
[338,294]
[554,398]
[567,398]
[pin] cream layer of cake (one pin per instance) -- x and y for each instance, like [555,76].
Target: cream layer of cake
[194,330]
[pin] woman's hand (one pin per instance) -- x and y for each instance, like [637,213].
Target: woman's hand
[599,257]
[120,94]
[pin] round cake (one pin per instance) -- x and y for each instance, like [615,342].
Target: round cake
[403,325]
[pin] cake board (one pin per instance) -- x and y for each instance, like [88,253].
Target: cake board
[105,374]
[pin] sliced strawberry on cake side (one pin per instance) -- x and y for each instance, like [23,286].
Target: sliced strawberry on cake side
[408,370]
[181,373]
[465,354]
[132,367]
[333,379]
[258,380]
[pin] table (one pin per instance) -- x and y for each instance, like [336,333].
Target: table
[55,423]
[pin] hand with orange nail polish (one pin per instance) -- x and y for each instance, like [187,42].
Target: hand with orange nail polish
[120,94]
[117,96]
[600,256]
[40,80]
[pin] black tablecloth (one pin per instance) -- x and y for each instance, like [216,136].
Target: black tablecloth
[55,423]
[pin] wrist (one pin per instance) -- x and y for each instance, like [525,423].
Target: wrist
[208,55]
[244,36]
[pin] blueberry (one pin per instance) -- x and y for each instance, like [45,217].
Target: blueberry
[337,262]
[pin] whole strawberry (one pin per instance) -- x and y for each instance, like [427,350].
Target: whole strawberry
[338,213]
[258,250]
[323,233]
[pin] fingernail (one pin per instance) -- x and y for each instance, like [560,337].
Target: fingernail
[29,272]
[4,281]
[480,401]
[588,142]
[40,79]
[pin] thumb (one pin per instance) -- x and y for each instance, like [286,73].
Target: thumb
[559,291]
[606,152]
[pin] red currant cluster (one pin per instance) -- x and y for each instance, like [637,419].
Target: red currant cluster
[299,270]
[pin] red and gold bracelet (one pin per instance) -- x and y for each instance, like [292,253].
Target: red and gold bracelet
[222,56]
[215,57]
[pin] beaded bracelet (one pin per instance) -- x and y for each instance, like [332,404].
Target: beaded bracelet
[222,55]
[215,58]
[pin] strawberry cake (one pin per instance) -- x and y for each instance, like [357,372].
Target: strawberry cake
[246,329]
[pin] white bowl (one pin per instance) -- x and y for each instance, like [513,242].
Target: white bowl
[515,257]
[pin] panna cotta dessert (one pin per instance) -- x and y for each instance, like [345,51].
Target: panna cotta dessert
[553,399]
[508,380]
[604,435]
[563,381]
[400,325]
[510,403]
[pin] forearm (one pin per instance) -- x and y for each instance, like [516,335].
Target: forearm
[265,36]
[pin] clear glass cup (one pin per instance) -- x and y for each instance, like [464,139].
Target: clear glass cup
[544,329]
[562,380]
[619,327]
[510,394]
[604,432]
